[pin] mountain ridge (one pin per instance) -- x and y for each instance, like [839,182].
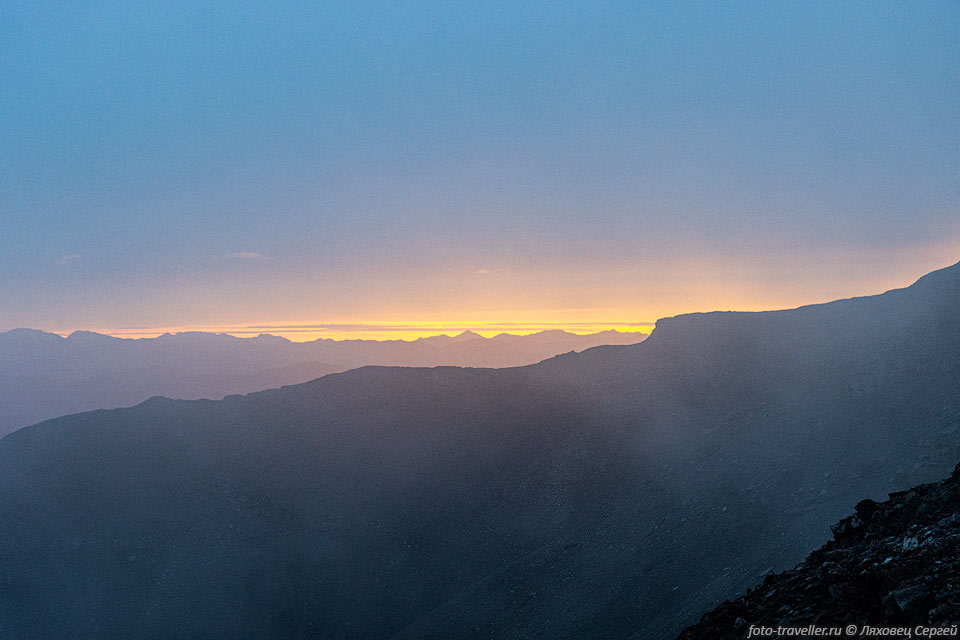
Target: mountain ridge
[617,492]
[45,375]
[466,334]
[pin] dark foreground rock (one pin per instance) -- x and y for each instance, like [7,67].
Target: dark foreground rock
[890,564]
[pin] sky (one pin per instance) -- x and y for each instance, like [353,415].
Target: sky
[399,168]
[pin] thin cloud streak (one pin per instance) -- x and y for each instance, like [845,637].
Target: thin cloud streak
[245,255]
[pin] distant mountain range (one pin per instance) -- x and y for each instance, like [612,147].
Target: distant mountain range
[615,493]
[43,375]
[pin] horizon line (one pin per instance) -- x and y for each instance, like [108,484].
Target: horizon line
[307,332]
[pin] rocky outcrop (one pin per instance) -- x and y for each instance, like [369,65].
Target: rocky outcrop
[895,563]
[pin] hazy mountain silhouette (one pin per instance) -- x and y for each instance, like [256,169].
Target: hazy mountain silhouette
[44,375]
[619,492]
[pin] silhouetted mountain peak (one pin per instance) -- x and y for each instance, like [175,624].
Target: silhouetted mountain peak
[466,335]
[197,338]
[545,336]
[444,340]
[269,338]
[90,336]
[948,278]
[931,297]
[24,333]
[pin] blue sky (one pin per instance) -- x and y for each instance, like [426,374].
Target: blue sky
[191,165]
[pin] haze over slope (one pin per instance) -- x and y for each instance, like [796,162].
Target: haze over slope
[619,492]
[893,564]
[43,375]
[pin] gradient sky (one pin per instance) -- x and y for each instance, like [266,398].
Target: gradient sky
[448,164]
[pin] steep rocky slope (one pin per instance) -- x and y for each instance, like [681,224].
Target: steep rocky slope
[890,564]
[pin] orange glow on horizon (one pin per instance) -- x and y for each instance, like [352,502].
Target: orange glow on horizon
[305,332]
[617,299]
